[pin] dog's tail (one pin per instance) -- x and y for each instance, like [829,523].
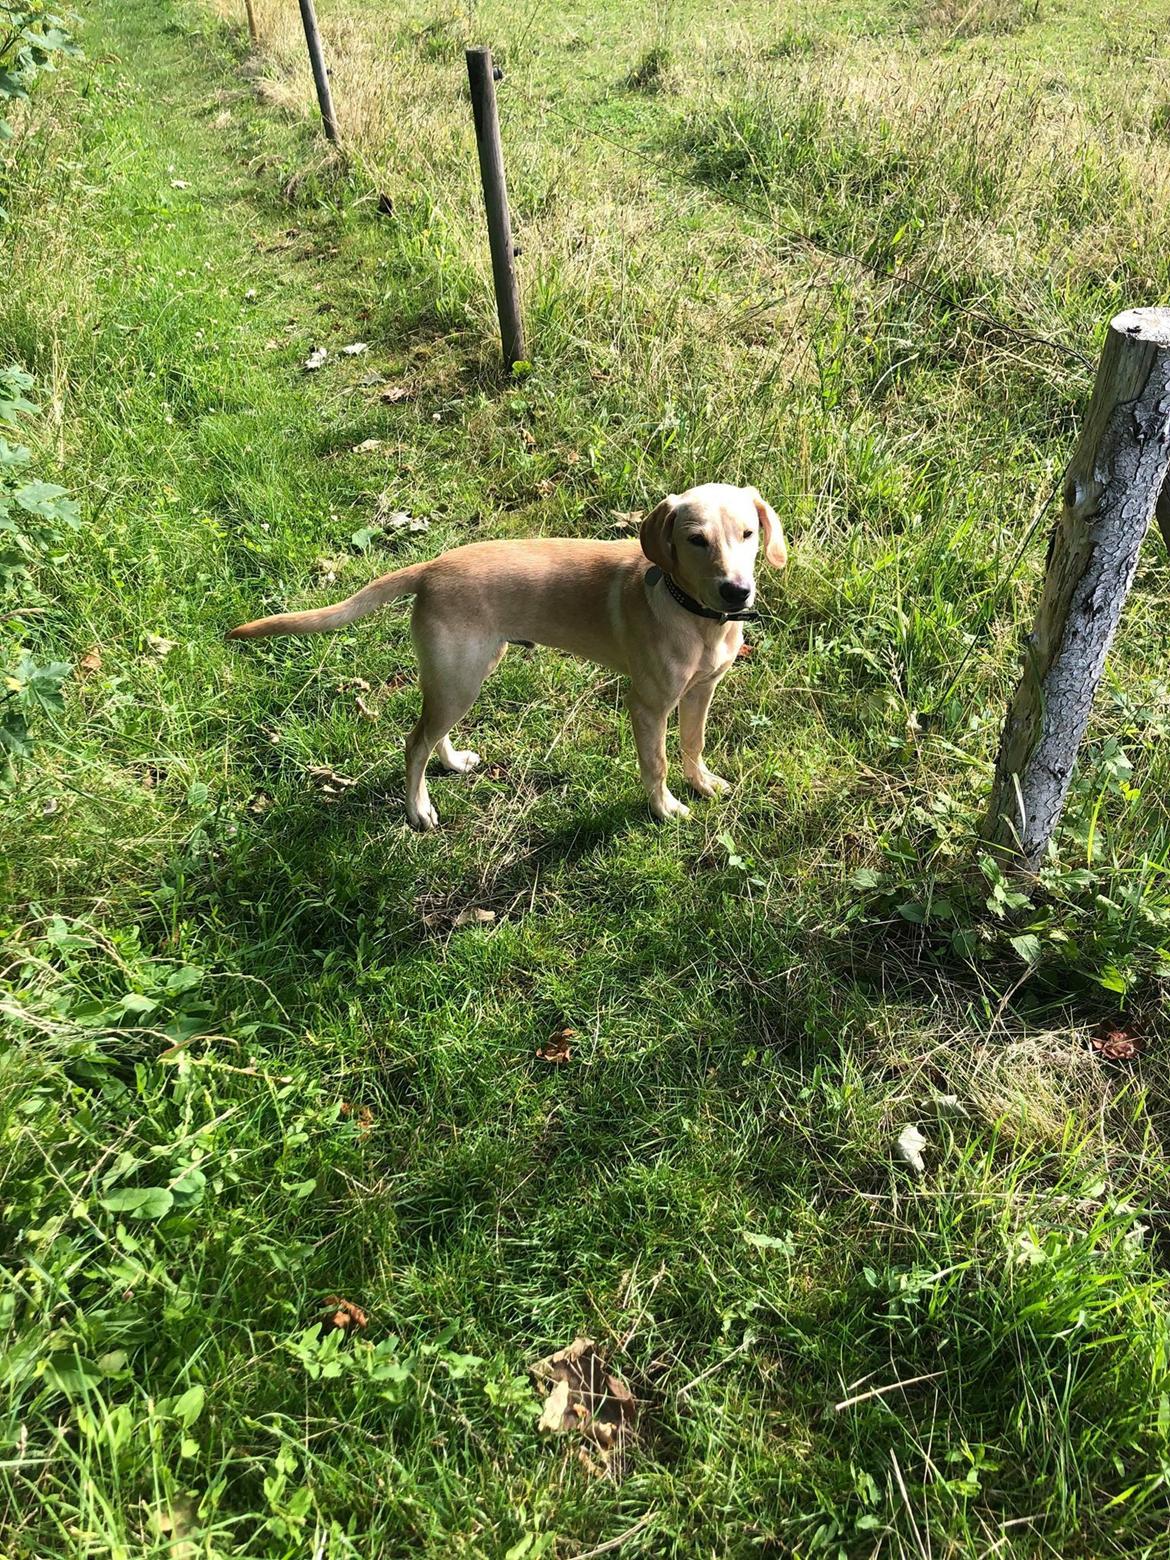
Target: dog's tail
[403,582]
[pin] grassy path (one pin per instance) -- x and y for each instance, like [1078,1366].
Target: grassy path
[262,1062]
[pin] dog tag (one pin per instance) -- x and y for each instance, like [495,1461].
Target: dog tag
[653,574]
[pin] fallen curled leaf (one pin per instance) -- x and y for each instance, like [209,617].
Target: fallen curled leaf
[362,1118]
[328,569]
[359,684]
[367,446]
[1117,1045]
[160,646]
[593,1466]
[365,709]
[329,780]
[176,1523]
[344,1315]
[581,1395]
[396,520]
[260,803]
[909,1146]
[356,347]
[397,393]
[556,1410]
[90,662]
[314,360]
[628,519]
[745,652]
[474,917]
[559,1048]
[49,806]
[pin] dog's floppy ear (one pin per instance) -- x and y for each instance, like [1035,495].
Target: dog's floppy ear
[657,531]
[775,547]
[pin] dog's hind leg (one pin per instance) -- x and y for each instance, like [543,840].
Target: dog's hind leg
[452,666]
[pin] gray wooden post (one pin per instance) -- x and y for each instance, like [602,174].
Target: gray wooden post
[320,74]
[1163,512]
[482,80]
[1111,488]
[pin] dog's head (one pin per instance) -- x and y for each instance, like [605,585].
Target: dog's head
[707,539]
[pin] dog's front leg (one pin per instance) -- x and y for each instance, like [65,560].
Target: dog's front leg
[650,738]
[692,732]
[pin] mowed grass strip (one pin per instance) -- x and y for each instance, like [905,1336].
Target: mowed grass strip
[253,1066]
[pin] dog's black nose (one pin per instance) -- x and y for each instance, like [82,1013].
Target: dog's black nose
[733,594]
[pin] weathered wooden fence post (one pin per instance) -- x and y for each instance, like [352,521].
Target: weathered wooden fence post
[320,74]
[1163,512]
[253,31]
[1114,481]
[481,77]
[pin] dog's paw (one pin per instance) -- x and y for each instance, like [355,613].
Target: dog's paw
[423,818]
[460,762]
[668,806]
[708,784]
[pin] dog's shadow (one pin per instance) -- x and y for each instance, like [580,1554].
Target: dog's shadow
[329,858]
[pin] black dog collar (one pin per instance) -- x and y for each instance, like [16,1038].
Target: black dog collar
[654,574]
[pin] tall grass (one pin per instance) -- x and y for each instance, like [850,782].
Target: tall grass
[253,1060]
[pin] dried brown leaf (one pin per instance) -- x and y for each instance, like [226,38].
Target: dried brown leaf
[581,1394]
[558,1048]
[1117,1044]
[90,663]
[556,1409]
[344,1315]
[473,917]
[329,780]
[362,1118]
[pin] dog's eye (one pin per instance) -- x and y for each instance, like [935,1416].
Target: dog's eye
[747,535]
[697,541]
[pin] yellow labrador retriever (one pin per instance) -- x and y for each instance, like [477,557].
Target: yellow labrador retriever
[664,610]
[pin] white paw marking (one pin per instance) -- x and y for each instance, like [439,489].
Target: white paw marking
[424,817]
[461,763]
[669,807]
[708,784]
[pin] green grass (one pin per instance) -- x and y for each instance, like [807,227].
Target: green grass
[249,1059]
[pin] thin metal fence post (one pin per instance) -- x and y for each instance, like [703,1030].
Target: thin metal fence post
[482,78]
[320,74]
